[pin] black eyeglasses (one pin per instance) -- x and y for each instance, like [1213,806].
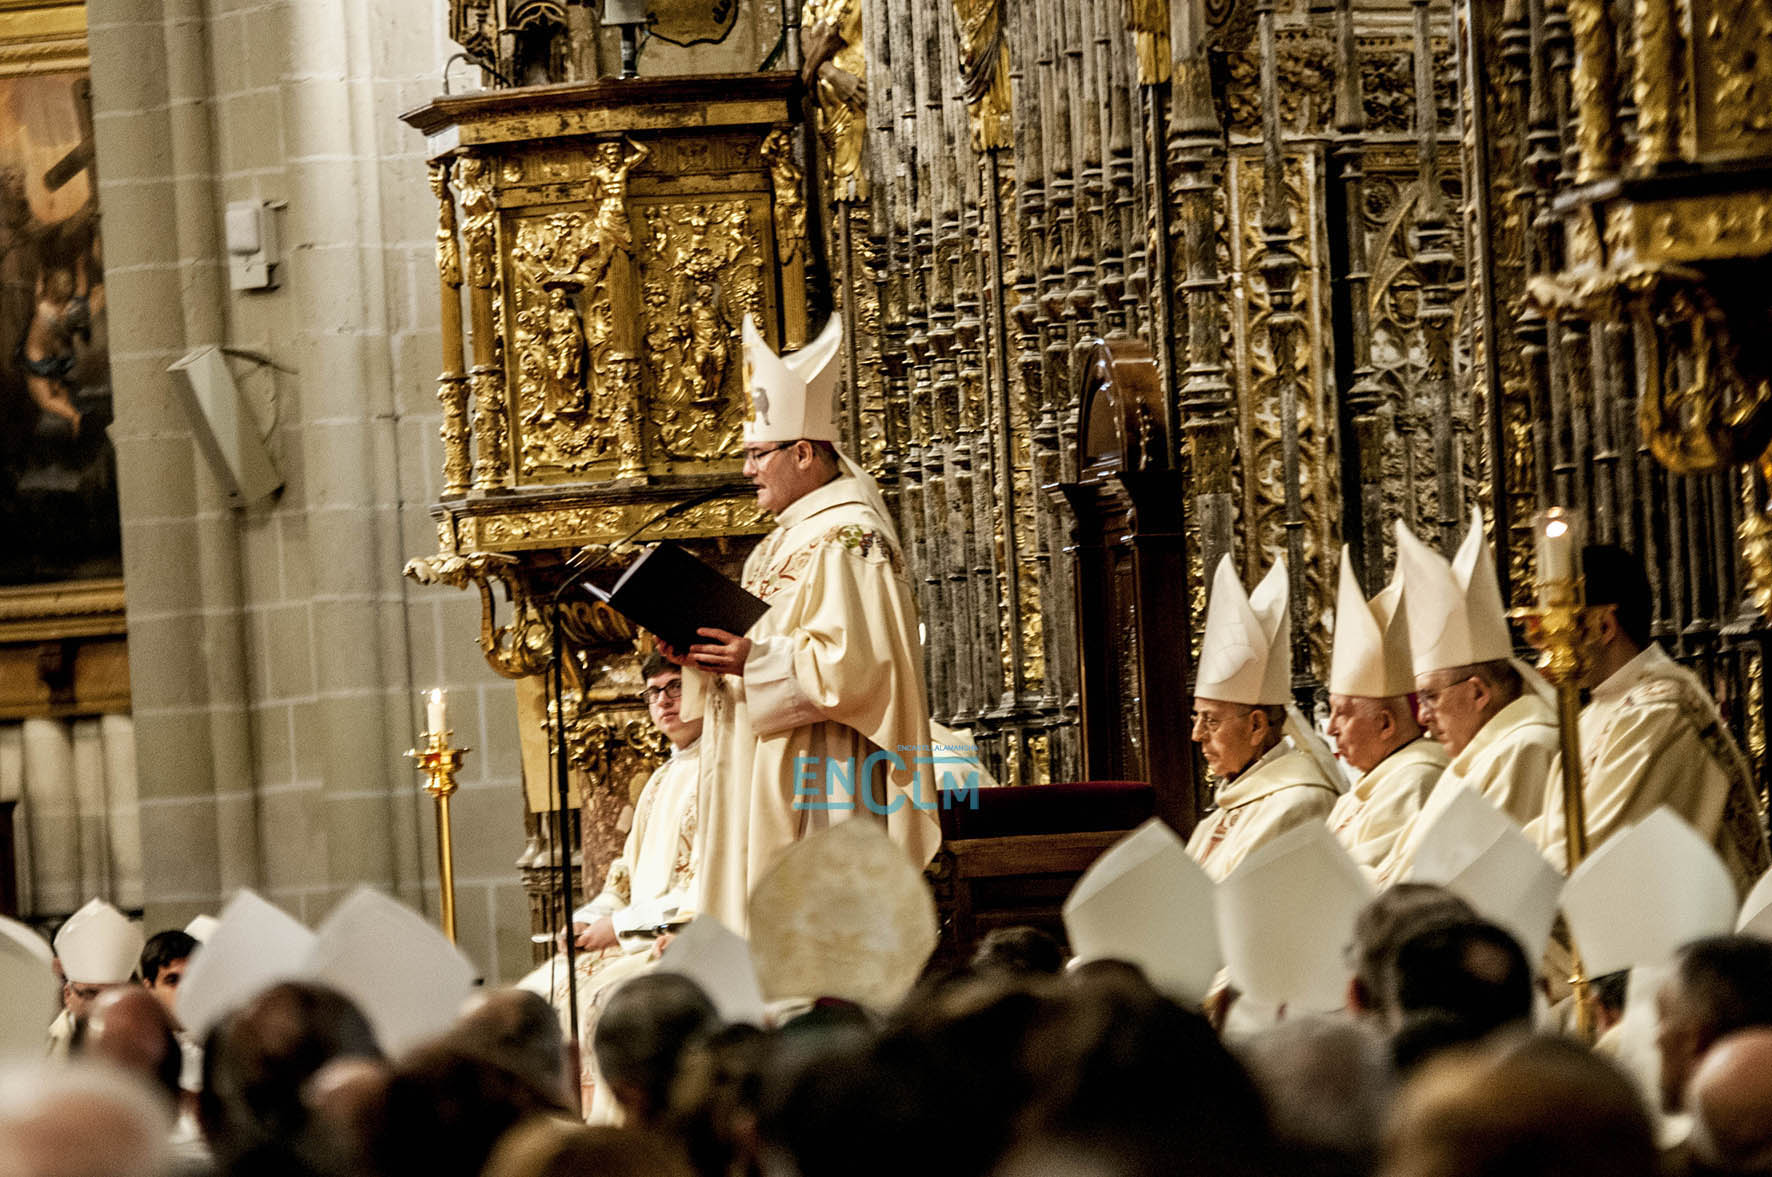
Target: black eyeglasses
[755,457]
[671,690]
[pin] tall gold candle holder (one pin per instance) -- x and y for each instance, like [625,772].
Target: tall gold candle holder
[439,762]
[1559,627]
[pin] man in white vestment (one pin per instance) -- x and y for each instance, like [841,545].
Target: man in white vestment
[1500,733]
[1373,723]
[98,947]
[650,885]
[1273,775]
[818,714]
[1651,734]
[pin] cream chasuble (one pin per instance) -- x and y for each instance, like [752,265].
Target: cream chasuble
[1509,761]
[1281,790]
[834,677]
[1651,736]
[1368,817]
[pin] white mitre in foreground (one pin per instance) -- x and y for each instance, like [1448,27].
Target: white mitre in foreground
[842,913]
[1246,655]
[791,396]
[1455,613]
[1370,658]
[99,945]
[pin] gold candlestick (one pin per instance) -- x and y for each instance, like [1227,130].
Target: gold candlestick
[1559,627]
[439,762]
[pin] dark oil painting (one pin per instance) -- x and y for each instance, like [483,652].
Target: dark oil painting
[58,485]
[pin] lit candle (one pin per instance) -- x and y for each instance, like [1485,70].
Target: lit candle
[436,712]
[1556,548]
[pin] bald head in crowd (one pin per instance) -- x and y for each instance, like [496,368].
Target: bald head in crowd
[1730,1098]
[81,1119]
[130,1029]
[1721,984]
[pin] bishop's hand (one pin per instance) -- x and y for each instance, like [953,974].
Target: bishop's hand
[726,654]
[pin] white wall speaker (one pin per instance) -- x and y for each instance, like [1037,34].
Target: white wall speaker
[227,430]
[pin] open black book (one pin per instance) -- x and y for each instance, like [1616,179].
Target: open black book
[671,593]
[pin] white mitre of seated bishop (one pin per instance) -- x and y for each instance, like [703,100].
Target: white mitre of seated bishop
[1246,655]
[791,396]
[1454,609]
[1370,658]
[99,945]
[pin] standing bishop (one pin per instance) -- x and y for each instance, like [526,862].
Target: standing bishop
[1499,731]
[1373,722]
[818,714]
[1270,767]
[1650,734]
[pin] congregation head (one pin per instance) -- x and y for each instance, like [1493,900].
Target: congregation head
[1719,985]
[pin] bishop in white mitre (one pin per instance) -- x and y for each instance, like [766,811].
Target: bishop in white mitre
[1483,707]
[1372,721]
[1651,734]
[1273,773]
[818,714]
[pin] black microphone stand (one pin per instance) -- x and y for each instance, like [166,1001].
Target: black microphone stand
[562,771]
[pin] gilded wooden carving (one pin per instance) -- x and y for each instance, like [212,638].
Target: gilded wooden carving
[1261,428]
[842,93]
[984,71]
[1732,83]
[701,273]
[567,269]
[520,646]
[786,183]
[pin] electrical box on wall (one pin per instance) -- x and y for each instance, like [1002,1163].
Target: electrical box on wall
[252,245]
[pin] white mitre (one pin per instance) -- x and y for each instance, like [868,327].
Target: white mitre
[99,945]
[1455,613]
[842,913]
[1370,658]
[791,396]
[1246,656]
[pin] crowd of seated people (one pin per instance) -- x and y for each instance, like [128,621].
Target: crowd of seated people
[1013,1065]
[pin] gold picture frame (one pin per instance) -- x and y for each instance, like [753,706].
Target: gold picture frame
[62,641]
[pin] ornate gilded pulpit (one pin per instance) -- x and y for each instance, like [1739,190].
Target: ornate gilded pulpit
[607,240]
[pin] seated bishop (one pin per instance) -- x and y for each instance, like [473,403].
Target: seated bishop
[1651,734]
[1483,707]
[649,887]
[1372,720]
[1273,772]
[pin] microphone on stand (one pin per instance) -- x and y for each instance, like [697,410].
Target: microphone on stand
[593,557]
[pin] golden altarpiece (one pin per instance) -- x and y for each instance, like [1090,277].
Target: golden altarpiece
[1335,263]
